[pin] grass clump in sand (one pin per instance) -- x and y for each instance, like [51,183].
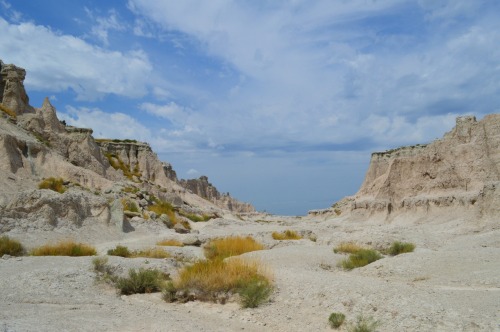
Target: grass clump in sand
[161,207]
[123,251]
[286,235]
[216,280]
[64,248]
[336,319]
[142,281]
[361,258]
[10,247]
[55,184]
[170,243]
[195,217]
[364,324]
[231,246]
[347,248]
[397,248]
[129,205]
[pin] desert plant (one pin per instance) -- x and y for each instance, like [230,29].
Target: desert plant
[400,247]
[129,205]
[103,270]
[170,243]
[364,324]
[8,111]
[336,319]
[286,235]
[141,281]
[231,246]
[64,248]
[119,250]
[161,207]
[212,277]
[195,217]
[55,184]
[347,247]
[361,258]
[254,292]
[151,253]
[10,247]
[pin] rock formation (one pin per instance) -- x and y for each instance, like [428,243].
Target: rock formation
[205,189]
[102,178]
[458,175]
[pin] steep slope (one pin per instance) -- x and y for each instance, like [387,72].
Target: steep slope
[101,178]
[457,176]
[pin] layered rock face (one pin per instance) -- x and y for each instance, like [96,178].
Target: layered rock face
[205,189]
[458,174]
[99,176]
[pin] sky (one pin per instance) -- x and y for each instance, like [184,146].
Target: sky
[280,103]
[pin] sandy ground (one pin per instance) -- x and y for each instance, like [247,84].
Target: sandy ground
[450,283]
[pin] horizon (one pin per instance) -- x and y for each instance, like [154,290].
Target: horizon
[280,104]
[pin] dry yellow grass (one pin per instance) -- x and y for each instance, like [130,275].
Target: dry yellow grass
[170,243]
[55,184]
[213,276]
[8,111]
[347,248]
[64,248]
[286,235]
[231,246]
[151,253]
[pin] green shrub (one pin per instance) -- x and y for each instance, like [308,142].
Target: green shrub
[361,258]
[121,251]
[142,281]
[64,248]
[103,270]
[364,325]
[254,292]
[53,184]
[10,247]
[400,248]
[336,319]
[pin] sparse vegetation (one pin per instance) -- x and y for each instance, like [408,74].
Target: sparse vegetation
[55,184]
[170,243]
[286,235]
[103,270]
[231,246]
[364,324]
[336,319]
[118,164]
[10,247]
[211,279]
[161,207]
[119,250]
[195,217]
[361,258]
[123,251]
[8,111]
[142,281]
[129,205]
[347,248]
[132,190]
[400,247]
[64,248]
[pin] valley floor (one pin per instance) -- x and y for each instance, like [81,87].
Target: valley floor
[451,282]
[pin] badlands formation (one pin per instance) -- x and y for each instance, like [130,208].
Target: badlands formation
[443,197]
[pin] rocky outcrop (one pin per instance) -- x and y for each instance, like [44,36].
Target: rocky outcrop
[12,92]
[206,190]
[107,179]
[459,174]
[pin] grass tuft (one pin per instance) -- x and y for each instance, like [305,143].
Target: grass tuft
[129,205]
[195,217]
[286,235]
[208,279]
[64,248]
[123,251]
[364,324]
[170,243]
[347,248]
[55,184]
[400,247]
[231,246]
[336,319]
[10,247]
[142,281]
[162,207]
[361,258]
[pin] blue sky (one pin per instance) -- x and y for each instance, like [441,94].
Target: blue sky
[279,102]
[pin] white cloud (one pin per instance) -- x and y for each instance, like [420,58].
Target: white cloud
[102,25]
[170,111]
[57,62]
[192,172]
